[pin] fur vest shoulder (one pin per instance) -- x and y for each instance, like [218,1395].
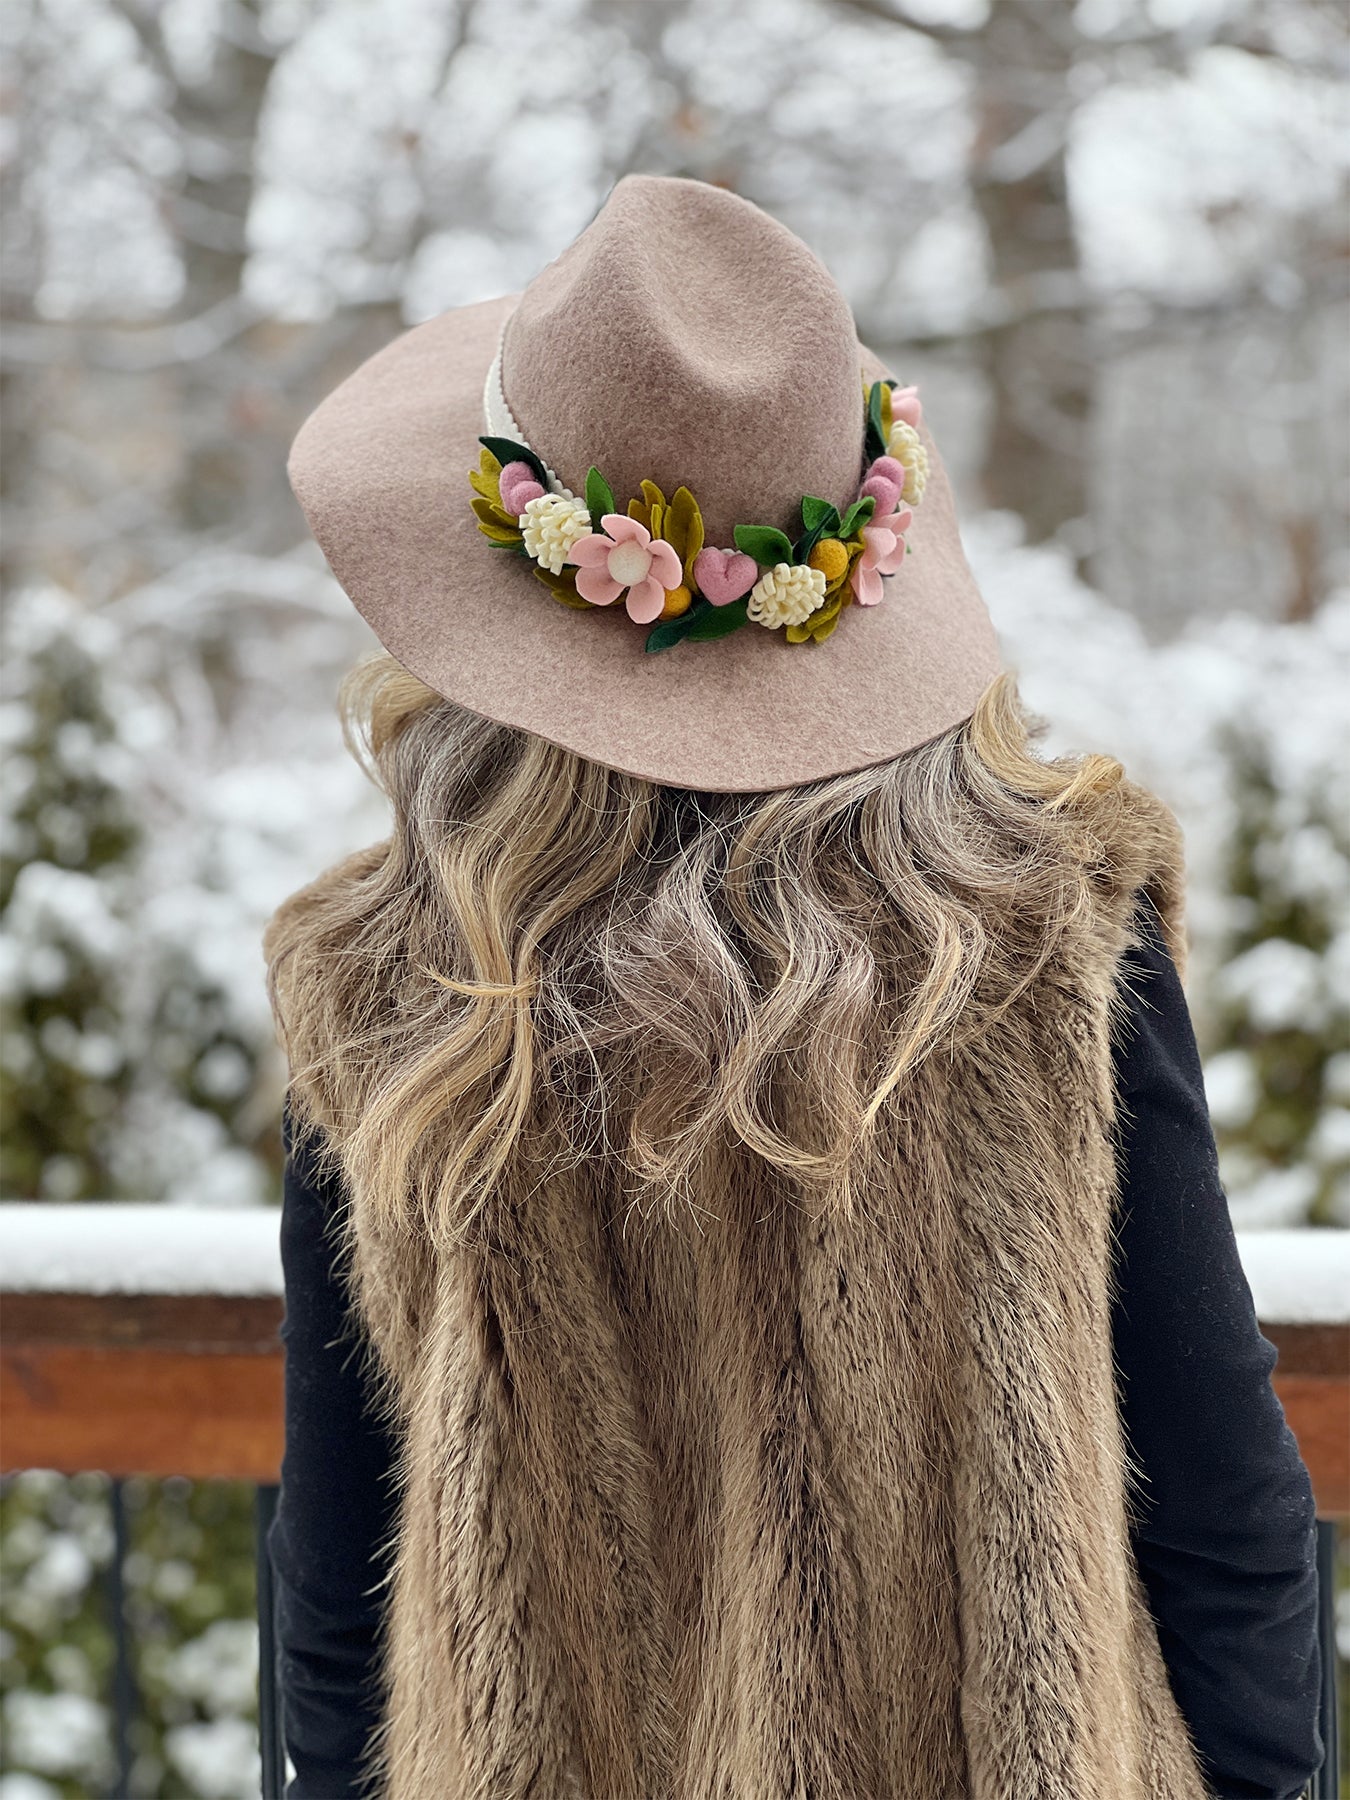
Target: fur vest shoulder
[770,1505]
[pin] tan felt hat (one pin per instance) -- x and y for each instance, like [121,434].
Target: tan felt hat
[681,425]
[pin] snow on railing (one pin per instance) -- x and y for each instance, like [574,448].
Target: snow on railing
[1296,1277]
[116,1247]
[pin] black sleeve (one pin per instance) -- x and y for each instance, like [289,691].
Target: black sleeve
[1225,1535]
[337,1507]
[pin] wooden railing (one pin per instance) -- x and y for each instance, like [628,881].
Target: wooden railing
[143,1341]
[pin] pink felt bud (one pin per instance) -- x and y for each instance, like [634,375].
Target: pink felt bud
[724,575]
[518,487]
[884,482]
[905,406]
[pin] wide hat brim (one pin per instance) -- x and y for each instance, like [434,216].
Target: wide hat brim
[381,471]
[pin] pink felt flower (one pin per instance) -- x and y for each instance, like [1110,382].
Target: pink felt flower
[884,551]
[905,406]
[884,482]
[625,555]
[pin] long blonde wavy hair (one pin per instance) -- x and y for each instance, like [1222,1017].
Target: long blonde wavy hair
[549,962]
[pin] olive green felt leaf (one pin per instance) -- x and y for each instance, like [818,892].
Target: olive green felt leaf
[507,452]
[494,523]
[767,545]
[821,622]
[486,478]
[719,620]
[599,497]
[798,634]
[887,420]
[683,530]
[650,510]
[562,587]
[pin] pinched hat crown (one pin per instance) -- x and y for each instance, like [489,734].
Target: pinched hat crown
[689,339]
[675,413]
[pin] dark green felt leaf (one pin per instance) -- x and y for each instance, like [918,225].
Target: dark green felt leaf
[717,621]
[876,435]
[857,515]
[507,452]
[599,497]
[817,513]
[670,631]
[767,545]
[807,542]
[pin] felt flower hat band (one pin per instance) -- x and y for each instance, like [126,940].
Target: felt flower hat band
[591,550]
[674,426]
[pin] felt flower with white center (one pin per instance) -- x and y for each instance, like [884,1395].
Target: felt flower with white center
[550,525]
[787,594]
[626,555]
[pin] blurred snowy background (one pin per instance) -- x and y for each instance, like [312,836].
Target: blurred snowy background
[1108,239]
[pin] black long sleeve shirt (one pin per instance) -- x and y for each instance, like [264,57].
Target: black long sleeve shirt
[1225,1539]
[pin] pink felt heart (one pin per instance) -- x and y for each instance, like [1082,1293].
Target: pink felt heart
[724,575]
[518,487]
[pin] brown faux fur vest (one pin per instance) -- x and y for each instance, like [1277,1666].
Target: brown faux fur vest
[776,1505]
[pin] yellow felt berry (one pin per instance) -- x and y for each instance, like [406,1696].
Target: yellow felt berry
[677,602]
[830,557]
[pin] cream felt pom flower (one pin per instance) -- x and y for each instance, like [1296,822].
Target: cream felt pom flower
[906,446]
[550,525]
[786,595]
